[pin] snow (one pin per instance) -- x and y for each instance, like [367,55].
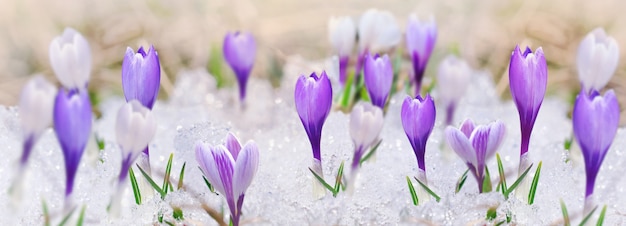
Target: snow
[281,192]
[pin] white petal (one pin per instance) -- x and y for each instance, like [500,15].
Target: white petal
[342,34]
[461,145]
[36,104]
[454,76]
[245,168]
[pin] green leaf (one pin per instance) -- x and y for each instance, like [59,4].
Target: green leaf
[321,180]
[412,190]
[338,180]
[487,181]
[502,177]
[437,198]
[169,223]
[492,213]
[533,186]
[168,170]
[81,217]
[566,221]
[208,184]
[518,181]
[347,91]
[135,185]
[584,222]
[461,181]
[215,66]
[178,213]
[160,217]
[567,144]
[66,218]
[46,215]
[601,218]
[151,182]
[181,176]
[371,152]
[363,94]
[500,223]
[508,216]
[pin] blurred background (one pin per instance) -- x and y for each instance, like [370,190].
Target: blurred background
[189,34]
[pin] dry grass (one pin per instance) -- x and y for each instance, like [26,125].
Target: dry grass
[484,32]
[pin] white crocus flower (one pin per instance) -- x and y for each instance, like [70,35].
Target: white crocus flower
[366,122]
[342,34]
[453,79]
[597,59]
[135,128]
[70,58]
[378,31]
[36,103]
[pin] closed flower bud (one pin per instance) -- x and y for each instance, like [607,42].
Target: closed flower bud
[70,58]
[598,55]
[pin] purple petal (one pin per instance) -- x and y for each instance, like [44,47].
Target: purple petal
[467,127]
[232,144]
[245,168]
[460,143]
[378,74]
[217,165]
[72,124]
[313,97]
[480,141]
[240,53]
[496,135]
[418,120]
[141,76]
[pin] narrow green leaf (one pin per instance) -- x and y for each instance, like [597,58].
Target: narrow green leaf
[371,152]
[215,66]
[601,218]
[437,198]
[347,90]
[178,213]
[508,216]
[363,94]
[461,181]
[81,217]
[501,172]
[66,218]
[231,222]
[500,223]
[46,215]
[491,213]
[518,181]
[160,217]
[135,185]
[208,184]
[169,186]
[321,180]
[566,221]
[149,179]
[412,190]
[533,186]
[487,181]
[169,223]
[338,180]
[181,176]
[584,222]
[168,170]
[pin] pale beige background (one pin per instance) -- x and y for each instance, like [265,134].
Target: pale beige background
[483,31]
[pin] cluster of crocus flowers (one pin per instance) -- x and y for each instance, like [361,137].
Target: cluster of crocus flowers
[420,41]
[342,36]
[70,58]
[141,80]
[418,119]
[314,96]
[453,79]
[528,78]
[475,145]
[598,55]
[378,76]
[230,169]
[240,52]
[378,32]
[135,127]
[366,123]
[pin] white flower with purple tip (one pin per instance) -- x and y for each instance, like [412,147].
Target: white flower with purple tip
[598,55]
[230,169]
[36,104]
[366,122]
[342,35]
[453,79]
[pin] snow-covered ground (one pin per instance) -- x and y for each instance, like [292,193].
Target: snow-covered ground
[281,192]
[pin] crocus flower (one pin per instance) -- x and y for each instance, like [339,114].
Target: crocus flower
[378,32]
[420,41]
[240,52]
[597,59]
[72,124]
[36,103]
[70,58]
[342,35]
[141,76]
[528,76]
[135,128]
[366,122]
[378,74]
[476,144]
[595,120]
[418,120]
[454,77]
[230,171]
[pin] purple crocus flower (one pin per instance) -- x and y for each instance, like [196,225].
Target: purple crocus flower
[595,119]
[230,169]
[141,76]
[420,41]
[528,76]
[240,52]
[418,120]
[378,74]
[476,144]
[72,124]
